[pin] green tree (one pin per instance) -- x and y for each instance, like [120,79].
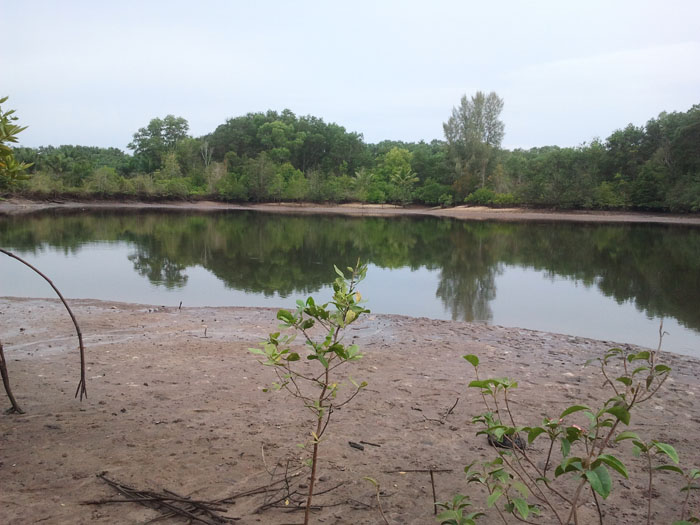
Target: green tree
[104,182]
[11,171]
[474,133]
[160,136]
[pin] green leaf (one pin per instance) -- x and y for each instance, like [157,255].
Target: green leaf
[533,433]
[672,468]
[568,465]
[572,409]
[565,447]
[600,481]
[521,487]
[522,506]
[667,449]
[614,463]
[620,412]
[497,493]
[627,434]
[624,380]
[293,357]
[638,356]
[472,359]
[286,316]
[479,384]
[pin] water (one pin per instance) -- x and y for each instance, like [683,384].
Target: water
[610,282]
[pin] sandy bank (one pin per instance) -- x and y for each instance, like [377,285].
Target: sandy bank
[169,408]
[22,206]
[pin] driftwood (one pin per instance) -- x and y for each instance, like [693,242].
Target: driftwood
[82,389]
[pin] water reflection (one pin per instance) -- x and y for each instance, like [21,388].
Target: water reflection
[655,267]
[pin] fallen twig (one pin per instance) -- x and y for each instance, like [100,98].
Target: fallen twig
[168,503]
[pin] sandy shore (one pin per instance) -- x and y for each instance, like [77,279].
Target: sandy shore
[22,206]
[170,408]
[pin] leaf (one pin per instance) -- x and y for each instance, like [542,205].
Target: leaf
[474,360]
[286,316]
[568,465]
[627,434]
[624,380]
[565,447]
[662,369]
[371,480]
[667,449]
[672,468]
[572,409]
[522,488]
[638,356]
[479,384]
[620,412]
[614,463]
[600,481]
[497,493]
[293,357]
[522,506]
[533,433]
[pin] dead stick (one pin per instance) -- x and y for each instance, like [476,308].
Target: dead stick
[432,482]
[451,408]
[82,389]
[6,381]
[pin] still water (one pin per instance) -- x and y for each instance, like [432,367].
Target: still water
[610,282]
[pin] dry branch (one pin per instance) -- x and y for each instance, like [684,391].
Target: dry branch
[82,389]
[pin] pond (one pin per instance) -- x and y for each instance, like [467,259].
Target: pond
[609,282]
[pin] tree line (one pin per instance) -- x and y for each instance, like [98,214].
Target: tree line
[279,156]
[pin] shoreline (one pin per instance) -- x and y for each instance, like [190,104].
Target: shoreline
[16,206]
[170,407]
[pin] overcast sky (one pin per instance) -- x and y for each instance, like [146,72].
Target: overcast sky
[93,72]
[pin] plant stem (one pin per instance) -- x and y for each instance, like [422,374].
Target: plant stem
[649,491]
[314,461]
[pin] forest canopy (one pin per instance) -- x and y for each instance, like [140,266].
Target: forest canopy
[279,156]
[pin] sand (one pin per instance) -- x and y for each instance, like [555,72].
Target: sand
[169,408]
[16,206]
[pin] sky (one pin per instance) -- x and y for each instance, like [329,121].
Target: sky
[93,72]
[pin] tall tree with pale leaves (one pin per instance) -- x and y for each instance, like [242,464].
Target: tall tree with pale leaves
[474,133]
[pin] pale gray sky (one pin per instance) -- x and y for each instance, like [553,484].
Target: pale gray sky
[93,72]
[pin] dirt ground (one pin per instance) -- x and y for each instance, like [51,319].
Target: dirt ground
[169,408]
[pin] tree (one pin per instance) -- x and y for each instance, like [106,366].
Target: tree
[156,139]
[474,133]
[11,171]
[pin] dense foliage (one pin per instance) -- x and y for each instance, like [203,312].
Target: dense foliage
[273,157]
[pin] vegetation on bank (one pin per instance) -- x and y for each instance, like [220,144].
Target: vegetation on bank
[279,156]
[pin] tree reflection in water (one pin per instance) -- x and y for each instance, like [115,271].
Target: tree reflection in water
[656,267]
